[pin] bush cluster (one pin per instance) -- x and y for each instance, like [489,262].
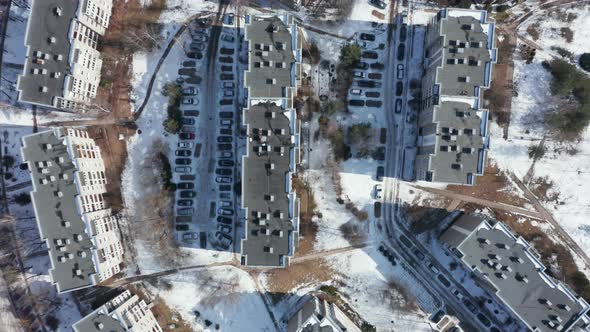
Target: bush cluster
[173,123]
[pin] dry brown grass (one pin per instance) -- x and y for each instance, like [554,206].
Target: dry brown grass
[399,297]
[307,228]
[306,272]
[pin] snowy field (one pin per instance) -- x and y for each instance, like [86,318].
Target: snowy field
[564,164]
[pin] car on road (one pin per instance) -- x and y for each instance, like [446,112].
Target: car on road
[224,220]
[443,280]
[399,88]
[223,179]
[225,212]
[185,145]
[419,254]
[370,55]
[356,92]
[223,171]
[187,194]
[182,169]
[359,74]
[190,236]
[367,36]
[356,102]
[224,139]
[400,72]
[190,113]
[433,268]
[380,173]
[224,147]
[186,185]
[225,155]
[401,50]
[186,136]
[223,240]
[185,202]
[469,305]
[226,122]
[190,91]
[183,161]
[378,3]
[225,163]
[457,293]
[225,102]
[406,241]
[182,227]
[224,228]
[227,38]
[188,121]
[190,101]
[183,153]
[398,105]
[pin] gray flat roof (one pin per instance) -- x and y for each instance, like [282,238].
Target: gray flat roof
[456,116]
[44,24]
[264,35]
[466,30]
[57,212]
[511,266]
[266,173]
[91,322]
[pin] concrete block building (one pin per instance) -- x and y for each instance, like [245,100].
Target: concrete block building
[452,126]
[509,267]
[270,203]
[63,65]
[321,316]
[124,313]
[81,233]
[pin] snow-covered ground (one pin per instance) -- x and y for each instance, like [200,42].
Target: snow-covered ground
[564,164]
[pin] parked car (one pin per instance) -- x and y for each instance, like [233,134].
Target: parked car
[224,220]
[190,91]
[185,202]
[225,187]
[375,76]
[372,94]
[190,236]
[373,103]
[226,59]
[185,145]
[183,161]
[224,147]
[195,55]
[361,65]
[187,194]
[227,93]
[187,177]
[398,105]
[367,36]
[225,155]
[183,153]
[186,136]
[225,212]
[228,85]
[400,72]
[223,171]
[380,173]
[185,211]
[225,163]
[200,37]
[225,131]
[224,139]
[433,268]
[399,88]
[401,50]
[226,122]
[197,46]
[378,191]
[468,304]
[457,293]
[223,179]
[366,84]
[227,38]
[224,196]
[188,129]
[226,68]
[186,185]
[378,3]
[182,227]
[370,55]
[182,169]
[224,228]
[226,51]
[229,19]
[377,65]
[356,92]
[359,74]
[224,240]
[225,204]
[190,113]
[188,121]
[190,101]
[356,102]
[226,115]
[403,32]
[225,102]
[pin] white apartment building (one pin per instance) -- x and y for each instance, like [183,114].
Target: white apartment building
[124,313]
[81,233]
[63,65]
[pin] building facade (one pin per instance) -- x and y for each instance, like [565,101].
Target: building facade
[81,233]
[272,79]
[63,65]
[124,313]
[452,126]
[509,267]
[320,316]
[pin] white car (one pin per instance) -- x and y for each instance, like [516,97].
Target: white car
[400,72]
[356,92]
[185,145]
[359,74]
[378,191]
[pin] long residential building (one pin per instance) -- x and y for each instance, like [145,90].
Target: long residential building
[452,126]
[321,316]
[62,67]
[124,313]
[81,233]
[270,203]
[508,266]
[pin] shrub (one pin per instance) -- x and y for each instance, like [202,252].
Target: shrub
[585,61]
[350,55]
[567,34]
[174,121]
[8,161]
[52,322]
[330,290]
[313,53]
[166,172]
[359,132]
[341,149]
[22,199]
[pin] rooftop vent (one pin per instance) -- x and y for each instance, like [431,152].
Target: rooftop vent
[52,40]
[57,11]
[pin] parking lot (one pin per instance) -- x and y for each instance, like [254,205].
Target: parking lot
[205,167]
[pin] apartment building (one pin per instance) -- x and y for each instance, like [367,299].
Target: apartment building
[124,313]
[270,203]
[62,67]
[452,126]
[81,233]
[319,315]
[508,266]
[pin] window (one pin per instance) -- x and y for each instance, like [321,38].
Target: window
[256,64]
[460,61]
[456,166]
[444,148]
[450,61]
[468,131]
[279,65]
[459,114]
[279,46]
[473,63]
[452,43]
[270,81]
[445,130]
[462,79]
[466,27]
[466,150]
[462,45]
[474,44]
